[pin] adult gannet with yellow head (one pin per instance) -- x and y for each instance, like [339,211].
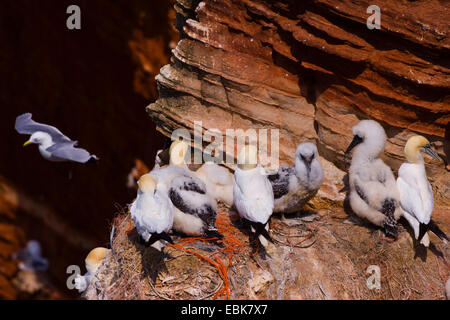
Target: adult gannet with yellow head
[253,194]
[416,194]
[373,190]
[93,261]
[218,179]
[152,212]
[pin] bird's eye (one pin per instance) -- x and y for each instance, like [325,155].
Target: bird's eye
[428,146]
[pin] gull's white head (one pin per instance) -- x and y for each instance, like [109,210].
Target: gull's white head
[248,157]
[178,150]
[147,183]
[370,138]
[413,147]
[95,258]
[39,137]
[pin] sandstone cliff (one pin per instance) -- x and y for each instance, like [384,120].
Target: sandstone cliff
[312,69]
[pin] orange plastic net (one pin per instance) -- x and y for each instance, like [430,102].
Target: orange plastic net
[232,245]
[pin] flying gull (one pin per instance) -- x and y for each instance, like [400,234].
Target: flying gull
[53,145]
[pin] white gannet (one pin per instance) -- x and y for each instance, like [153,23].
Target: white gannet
[294,186]
[53,145]
[93,260]
[253,194]
[152,212]
[31,257]
[373,190]
[416,194]
[218,179]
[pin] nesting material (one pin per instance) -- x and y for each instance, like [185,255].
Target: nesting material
[320,259]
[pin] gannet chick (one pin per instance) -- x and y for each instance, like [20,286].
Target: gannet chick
[218,179]
[152,212]
[195,211]
[373,190]
[416,194]
[53,145]
[294,186]
[253,195]
[31,257]
[93,260]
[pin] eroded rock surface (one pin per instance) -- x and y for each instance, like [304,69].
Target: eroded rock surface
[312,69]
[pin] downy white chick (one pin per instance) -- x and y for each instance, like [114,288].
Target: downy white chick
[373,189]
[294,186]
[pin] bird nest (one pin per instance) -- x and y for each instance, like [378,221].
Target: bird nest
[324,254]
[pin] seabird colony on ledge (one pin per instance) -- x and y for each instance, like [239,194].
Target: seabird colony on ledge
[173,197]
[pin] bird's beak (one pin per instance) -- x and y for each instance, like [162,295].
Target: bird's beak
[27,143]
[430,151]
[356,140]
[308,163]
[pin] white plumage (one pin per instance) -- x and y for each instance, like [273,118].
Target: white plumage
[152,211]
[416,194]
[53,145]
[373,190]
[294,186]
[253,195]
[195,210]
[93,261]
[218,179]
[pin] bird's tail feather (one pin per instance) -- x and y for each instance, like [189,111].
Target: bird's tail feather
[423,228]
[260,229]
[433,227]
[214,234]
[159,236]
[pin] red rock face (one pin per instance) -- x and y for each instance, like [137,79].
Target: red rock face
[313,69]
[93,84]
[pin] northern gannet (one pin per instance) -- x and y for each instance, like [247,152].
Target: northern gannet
[253,194]
[294,186]
[218,179]
[93,260]
[152,212]
[195,211]
[373,190]
[53,145]
[416,194]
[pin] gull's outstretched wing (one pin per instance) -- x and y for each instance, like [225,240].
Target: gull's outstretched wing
[26,125]
[67,151]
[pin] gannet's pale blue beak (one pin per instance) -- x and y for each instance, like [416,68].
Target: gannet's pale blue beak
[430,151]
[27,143]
